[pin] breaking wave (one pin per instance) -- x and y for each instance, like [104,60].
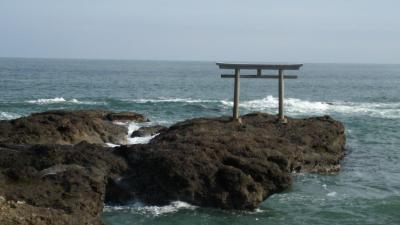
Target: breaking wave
[139,208]
[58,100]
[133,126]
[43,101]
[294,106]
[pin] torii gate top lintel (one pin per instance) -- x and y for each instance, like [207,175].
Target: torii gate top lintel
[259,67]
[264,66]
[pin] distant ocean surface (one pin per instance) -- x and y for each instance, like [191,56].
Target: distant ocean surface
[366,97]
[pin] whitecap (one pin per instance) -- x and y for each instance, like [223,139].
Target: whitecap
[292,104]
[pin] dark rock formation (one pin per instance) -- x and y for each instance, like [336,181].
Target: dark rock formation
[67,127]
[55,184]
[212,162]
[222,163]
[148,131]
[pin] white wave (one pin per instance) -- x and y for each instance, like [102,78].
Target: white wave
[258,210]
[255,211]
[57,100]
[8,116]
[331,194]
[112,145]
[140,140]
[155,211]
[47,100]
[183,100]
[294,106]
[132,127]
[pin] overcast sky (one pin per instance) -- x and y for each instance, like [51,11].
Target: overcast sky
[235,30]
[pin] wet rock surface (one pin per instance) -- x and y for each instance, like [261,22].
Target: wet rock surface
[221,163]
[148,131]
[68,127]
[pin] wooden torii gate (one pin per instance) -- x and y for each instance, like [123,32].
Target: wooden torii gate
[259,67]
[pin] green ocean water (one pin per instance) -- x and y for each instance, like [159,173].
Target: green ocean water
[365,97]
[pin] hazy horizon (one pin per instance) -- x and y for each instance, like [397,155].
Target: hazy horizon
[189,60]
[309,31]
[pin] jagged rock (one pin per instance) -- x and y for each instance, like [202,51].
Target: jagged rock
[57,184]
[67,127]
[221,163]
[148,131]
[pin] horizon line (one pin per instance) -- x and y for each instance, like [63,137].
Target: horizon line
[186,60]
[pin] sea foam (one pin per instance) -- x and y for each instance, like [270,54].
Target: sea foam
[133,126]
[139,208]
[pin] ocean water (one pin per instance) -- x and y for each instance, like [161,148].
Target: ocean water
[365,97]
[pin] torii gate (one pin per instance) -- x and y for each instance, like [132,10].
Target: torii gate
[259,67]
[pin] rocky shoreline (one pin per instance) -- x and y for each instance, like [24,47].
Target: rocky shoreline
[55,167]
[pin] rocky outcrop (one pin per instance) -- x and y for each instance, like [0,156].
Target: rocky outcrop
[55,184]
[148,131]
[214,162]
[68,127]
[221,163]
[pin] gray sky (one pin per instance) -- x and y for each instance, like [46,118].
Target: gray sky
[235,30]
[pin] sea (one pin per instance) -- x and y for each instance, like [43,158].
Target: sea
[365,97]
